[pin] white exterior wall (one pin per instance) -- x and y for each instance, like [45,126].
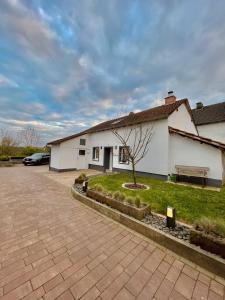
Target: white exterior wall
[55,152]
[69,154]
[214,131]
[181,119]
[156,160]
[187,152]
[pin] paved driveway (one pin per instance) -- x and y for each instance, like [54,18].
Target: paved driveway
[51,246]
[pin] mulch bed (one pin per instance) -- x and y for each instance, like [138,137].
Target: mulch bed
[137,186]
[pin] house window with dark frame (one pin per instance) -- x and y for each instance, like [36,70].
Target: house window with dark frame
[95,153]
[123,155]
[82,142]
[81,152]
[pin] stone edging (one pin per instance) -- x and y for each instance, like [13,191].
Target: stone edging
[191,252]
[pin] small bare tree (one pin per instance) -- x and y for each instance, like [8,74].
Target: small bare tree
[7,142]
[29,137]
[136,141]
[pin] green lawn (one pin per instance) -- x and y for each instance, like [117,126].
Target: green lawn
[190,203]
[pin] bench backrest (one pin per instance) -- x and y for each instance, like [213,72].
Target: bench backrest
[192,171]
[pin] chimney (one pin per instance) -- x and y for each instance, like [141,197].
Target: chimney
[171,98]
[199,105]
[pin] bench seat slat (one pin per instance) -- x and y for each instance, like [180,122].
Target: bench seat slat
[192,171]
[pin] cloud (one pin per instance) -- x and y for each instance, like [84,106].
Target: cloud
[4,81]
[71,64]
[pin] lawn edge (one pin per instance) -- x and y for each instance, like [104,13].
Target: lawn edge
[193,253]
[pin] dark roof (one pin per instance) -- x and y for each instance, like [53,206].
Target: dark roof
[152,114]
[198,138]
[214,113]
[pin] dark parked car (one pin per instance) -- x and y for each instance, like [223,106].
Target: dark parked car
[37,159]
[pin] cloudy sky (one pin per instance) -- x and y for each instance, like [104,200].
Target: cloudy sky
[67,65]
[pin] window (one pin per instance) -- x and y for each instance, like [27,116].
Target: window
[81,152]
[82,142]
[95,154]
[123,155]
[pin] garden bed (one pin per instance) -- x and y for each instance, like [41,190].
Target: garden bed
[146,215]
[136,212]
[208,242]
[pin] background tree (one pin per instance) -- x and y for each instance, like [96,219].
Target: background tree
[7,142]
[136,141]
[29,137]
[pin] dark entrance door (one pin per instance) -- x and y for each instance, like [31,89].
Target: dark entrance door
[107,158]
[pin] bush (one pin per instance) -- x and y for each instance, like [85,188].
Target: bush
[122,197]
[98,188]
[82,176]
[29,150]
[208,226]
[4,158]
[137,201]
[116,195]
[110,194]
[130,200]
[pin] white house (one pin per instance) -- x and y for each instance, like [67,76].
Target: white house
[175,141]
[210,120]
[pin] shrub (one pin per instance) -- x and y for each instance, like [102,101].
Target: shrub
[122,197]
[99,188]
[137,201]
[208,226]
[116,195]
[130,200]
[110,194]
[82,176]
[4,158]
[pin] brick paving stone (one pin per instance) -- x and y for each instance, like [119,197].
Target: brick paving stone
[204,279]
[217,287]
[92,294]
[35,295]
[66,296]
[137,262]
[49,285]
[124,295]
[214,296]
[173,274]
[19,292]
[176,296]
[65,285]
[138,281]
[185,285]
[200,291]
[154,260]
[190,272]
[50,273]
[81,287]
[53,247]
[164,290]
[115,287]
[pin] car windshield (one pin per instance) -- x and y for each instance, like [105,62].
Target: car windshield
[36,155]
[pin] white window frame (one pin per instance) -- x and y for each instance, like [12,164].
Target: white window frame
[123,154]
[94,153]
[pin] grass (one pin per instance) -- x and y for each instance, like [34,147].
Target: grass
[191,204]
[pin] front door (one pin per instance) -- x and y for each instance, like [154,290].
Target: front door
[107,158]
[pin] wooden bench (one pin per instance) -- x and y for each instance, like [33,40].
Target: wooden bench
[192,171]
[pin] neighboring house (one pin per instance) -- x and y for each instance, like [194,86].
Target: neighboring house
[210,120]
[175,141]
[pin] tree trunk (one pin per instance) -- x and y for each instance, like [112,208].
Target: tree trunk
[133,173]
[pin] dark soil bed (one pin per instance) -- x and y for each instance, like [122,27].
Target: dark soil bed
[137,186]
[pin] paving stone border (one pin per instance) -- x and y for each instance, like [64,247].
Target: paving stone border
[191,252]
